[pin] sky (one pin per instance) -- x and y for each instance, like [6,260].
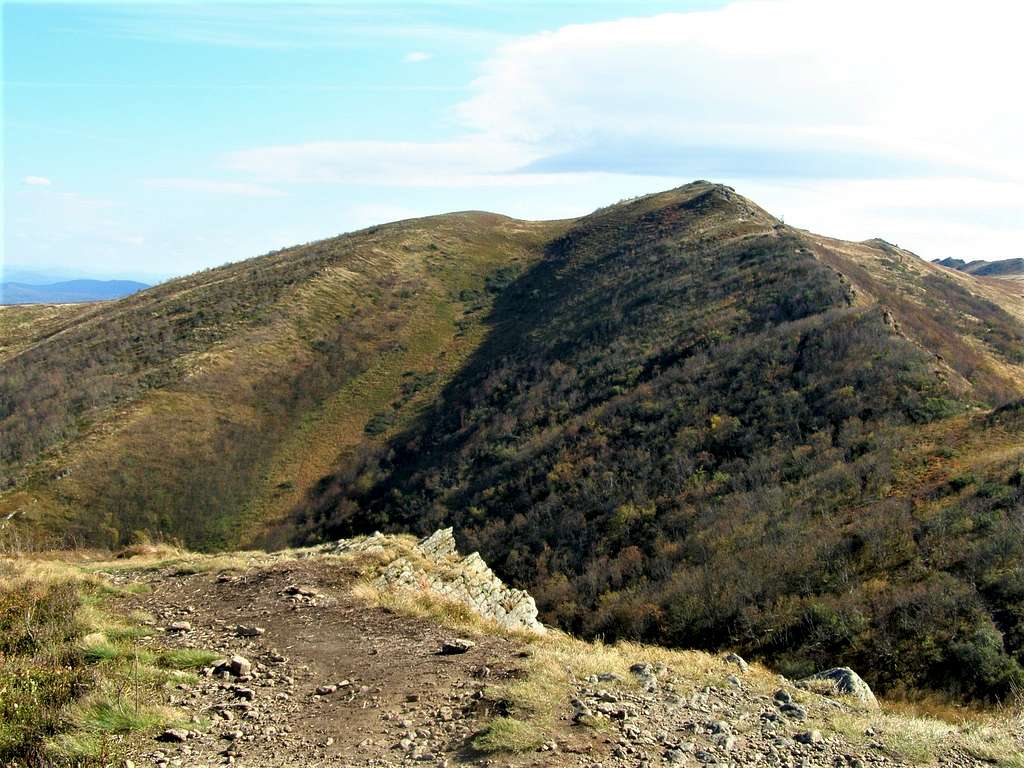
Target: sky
[146,140]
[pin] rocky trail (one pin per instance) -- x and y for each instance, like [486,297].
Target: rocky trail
[310,673]
[318,677]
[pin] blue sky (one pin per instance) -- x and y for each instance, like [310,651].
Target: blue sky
[149,140]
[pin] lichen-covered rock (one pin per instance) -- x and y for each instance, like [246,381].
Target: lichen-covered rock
[374,543]
[739,661]
[845,682]
[439,545]
[468,580]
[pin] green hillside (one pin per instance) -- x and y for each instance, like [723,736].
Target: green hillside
[700,427]
[204,408]
[675,420]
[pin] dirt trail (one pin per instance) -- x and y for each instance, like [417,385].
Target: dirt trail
[398,699]
[314,676]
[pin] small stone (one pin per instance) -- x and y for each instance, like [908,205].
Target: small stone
[245,631]
[458,645]
[179,627]
[782,696]
[173,735]
[794,711]
[735,658]
[301,590]
[809,737]
[326,690]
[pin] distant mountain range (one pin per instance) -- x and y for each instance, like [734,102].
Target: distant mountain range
[981,268]
[68,291]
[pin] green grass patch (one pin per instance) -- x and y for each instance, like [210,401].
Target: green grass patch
[32,697]
[97,648]
[73,679]
[108,713]
[993,746]
[128,633]
[507,734]
[81,748]
[187,658]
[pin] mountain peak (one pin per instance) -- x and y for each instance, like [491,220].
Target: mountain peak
[611,410]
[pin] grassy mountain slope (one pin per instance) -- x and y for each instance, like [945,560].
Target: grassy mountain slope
[216,399]
[676,419]
[702,427]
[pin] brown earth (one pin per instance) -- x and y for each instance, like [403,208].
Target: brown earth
[397,680]
[399,701]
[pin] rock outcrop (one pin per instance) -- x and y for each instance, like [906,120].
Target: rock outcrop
[843,682]
[434,564]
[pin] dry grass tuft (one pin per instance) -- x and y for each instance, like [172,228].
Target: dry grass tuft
[149,551]
[73,679]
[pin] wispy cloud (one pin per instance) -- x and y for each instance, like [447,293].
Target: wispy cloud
[282,27]
[463,162]
[62,219]
[813,83]
[215,187]
[415,57]
[802,99]
[757,90]
[37,181]
[235,86]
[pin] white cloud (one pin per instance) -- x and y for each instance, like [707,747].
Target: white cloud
[845,115]
[779,88]
[463,162]
[216,187]
[923,80]
[61,221]
[415,57]
[37,181]
[935,217]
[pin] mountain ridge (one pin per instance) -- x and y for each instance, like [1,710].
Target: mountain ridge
[982,268]
[609,408]
[67,291]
